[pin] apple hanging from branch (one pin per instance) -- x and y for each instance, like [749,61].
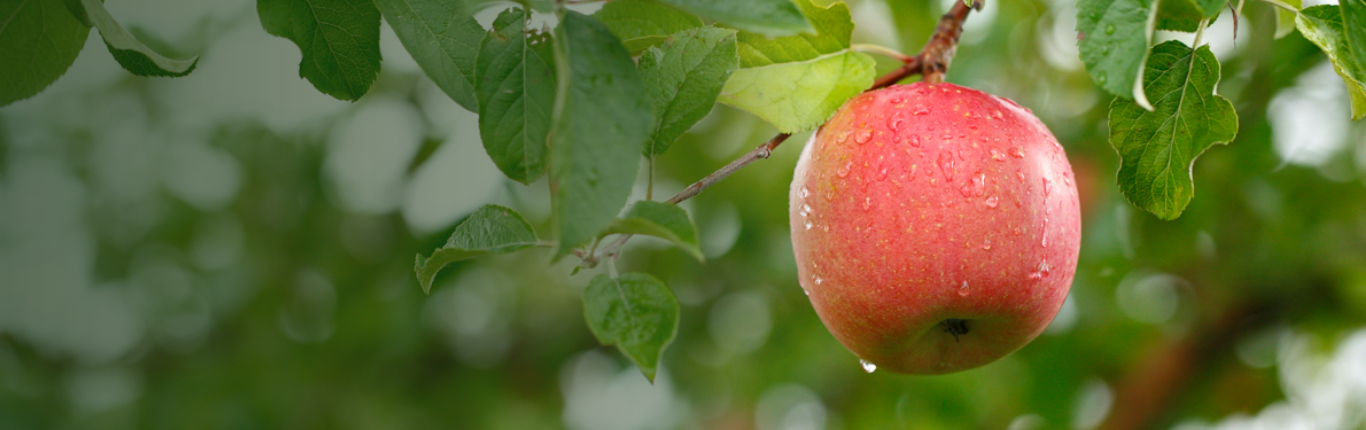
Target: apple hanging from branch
[936,228]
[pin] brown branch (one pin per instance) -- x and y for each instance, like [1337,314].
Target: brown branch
[932,61]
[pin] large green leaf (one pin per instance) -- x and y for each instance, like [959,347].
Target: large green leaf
[516,96]
[1179,15]
[1323,26]
[39,40]
[797,82]
[799,96]
[766,17]
[602,121]
[1157,148]
[641,24]
[662,220]
[683,80]
[339,40]
[134,56]
[1113,37]
[635,312]
[491,229]
[443,38]
[1354,12]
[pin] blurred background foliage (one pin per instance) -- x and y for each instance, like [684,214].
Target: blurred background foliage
[233,250]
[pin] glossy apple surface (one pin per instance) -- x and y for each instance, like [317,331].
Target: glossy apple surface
[936,227]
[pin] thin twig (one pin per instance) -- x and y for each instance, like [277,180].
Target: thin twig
[932,61]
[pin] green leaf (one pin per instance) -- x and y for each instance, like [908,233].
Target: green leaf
[491,229]
[635,312]
[662,220]
[797,82]
[641,24]
[1179,15]
[1354,11]
[683,80]
[1285,19]
[516,96]
[602,120]
[40,39]
[443,38]
[1157,148]
[833,27]
[1323,26]
[133,55]
[1114,37]
[339,40]
[766,17]
[799,96]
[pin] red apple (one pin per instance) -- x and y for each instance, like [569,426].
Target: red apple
[936,227]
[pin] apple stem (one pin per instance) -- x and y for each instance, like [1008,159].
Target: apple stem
[931,63]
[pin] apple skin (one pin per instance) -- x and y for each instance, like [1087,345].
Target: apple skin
[936,227]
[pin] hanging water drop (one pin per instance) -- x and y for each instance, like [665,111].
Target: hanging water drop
[808,224]
[867,366]
[806,210]
[803,193]
[963,289]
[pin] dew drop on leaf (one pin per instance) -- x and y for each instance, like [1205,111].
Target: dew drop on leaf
[867,366]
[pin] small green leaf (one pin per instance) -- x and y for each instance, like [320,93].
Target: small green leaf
[602,120]
[1354,12]
[40,39]
[491,229]
[641,24]
[1157,148]
[799,96]
[133,55]
[1113,40]
[443,38]
[339,40]
[683,80]
[833,26]
[635,312]
[766,17]
[516,96]
[1323,26]
[1285,19]
[797,82]
[662,220]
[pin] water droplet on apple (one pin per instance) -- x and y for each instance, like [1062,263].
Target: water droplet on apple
[867,204]
[843,137]
[818,279]
[896,123]
[808,224]
[843,171]
[867,366]
[997,155]
[803,193]
[1016,152]
[946,165]
[1018,231]
[1041,272]
[882,173]
[992,201]
[966,190]
[915,141]
[1020,175]
[1047,186]
[863,136]
[921,110]
[986,244]
[963,289]
[897,100]
[806,209]
[979,184]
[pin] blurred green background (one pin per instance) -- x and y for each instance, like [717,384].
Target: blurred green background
[234,250]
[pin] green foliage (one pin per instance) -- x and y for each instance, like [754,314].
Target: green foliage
[635,312]
[1158,147]
[662,220]
[602,120]
[641,24]
[492,229]
[1354,12]
[683,80]
[797,82]
[1323,25]
[1113,40]
[339,40]
[134,56]
[1179,15]
[443,39]
[40,40]
[1285,19]
[766,17]
[516,96]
